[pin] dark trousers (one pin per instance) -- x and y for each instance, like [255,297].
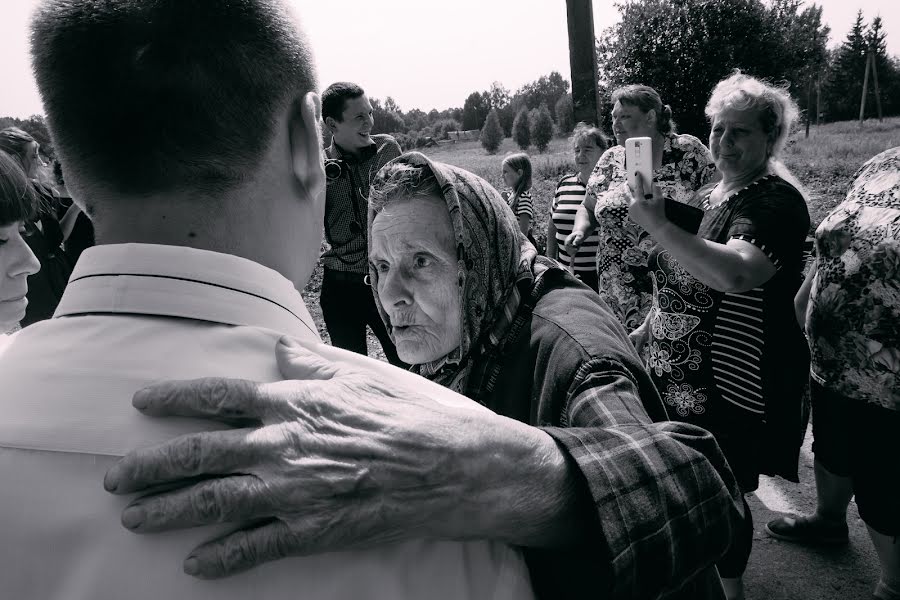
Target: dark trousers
[347,307]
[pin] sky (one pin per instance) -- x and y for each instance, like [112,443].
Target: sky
[424,54]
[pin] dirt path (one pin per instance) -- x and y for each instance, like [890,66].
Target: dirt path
[784,571]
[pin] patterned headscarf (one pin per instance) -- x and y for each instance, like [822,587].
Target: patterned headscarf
[493,259]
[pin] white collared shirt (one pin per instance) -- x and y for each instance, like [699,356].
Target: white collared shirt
[136,314]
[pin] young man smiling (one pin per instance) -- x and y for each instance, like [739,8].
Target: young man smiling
[355,155]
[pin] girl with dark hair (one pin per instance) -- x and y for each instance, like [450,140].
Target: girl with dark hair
[45,235]
[517,176]
[17,205]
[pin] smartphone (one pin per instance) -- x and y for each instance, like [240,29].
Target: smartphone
[684,215]
[639,159]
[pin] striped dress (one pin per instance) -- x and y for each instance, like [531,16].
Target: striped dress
[731,362]
[569,196]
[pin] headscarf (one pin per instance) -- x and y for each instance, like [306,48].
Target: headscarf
[494,262]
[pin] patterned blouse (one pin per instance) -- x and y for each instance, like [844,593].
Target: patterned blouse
[622,269]
[853,318]
[727,361]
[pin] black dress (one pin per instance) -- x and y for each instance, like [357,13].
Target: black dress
[736,363]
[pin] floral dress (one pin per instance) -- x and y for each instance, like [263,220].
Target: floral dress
[853,318]
[736,363]
[622,268]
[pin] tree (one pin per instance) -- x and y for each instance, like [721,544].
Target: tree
[684,47]
[386,121]
[36,127]
[520,129]
[545,90]
[565,115]
[475,110]
[845,78]
[491,133]
[541,127]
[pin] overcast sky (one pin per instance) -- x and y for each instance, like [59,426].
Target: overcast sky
[426,54]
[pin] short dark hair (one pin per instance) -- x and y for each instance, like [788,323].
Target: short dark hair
[335,97]
[646,98]
[152,95]
[18,198]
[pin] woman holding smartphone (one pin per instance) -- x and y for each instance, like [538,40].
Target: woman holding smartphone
[725,350]
[681,166]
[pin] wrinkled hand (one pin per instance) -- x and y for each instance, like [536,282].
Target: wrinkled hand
[573,242]
[341,460]
[649,213]
[639,337]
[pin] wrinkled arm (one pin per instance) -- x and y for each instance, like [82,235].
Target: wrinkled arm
[801,300]
[663,492]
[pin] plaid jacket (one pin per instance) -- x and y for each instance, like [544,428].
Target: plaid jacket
[346,204]
[666,501]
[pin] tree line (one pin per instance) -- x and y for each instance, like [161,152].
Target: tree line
[680,47]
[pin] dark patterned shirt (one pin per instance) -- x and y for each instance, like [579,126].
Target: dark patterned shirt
[854,307]
[624,278]
[347,204]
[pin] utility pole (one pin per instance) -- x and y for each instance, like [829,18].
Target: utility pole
[583,61]
[862,101]
[875,81]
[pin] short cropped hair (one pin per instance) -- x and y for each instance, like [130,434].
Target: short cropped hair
[15,142]
[583,132]
[397,180]
[646,98]
[335,97]
[777,110]
[520,162]
[153,95]
[18,198]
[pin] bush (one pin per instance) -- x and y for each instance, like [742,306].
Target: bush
[443,128]
[565,115]
[520,130]
[491,133]
[541,127]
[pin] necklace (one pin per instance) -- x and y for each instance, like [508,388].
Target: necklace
[726,197]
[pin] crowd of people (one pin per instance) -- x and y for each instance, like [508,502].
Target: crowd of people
[581,424]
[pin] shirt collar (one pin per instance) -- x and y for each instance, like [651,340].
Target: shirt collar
[177,281]
[367,153]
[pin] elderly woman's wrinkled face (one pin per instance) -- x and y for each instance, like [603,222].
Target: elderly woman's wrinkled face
[17,262]
[413,250]
[587,153]
[738,143]
[630,121]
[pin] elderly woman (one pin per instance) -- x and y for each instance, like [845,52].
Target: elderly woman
[850,305]
[469,304]
[588,143]
[681,166]
[725,350]
[17,261]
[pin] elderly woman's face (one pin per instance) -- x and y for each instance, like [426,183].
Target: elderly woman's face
[738,143]
[17,262]
[413,250]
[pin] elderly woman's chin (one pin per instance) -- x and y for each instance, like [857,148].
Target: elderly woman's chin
[416,346]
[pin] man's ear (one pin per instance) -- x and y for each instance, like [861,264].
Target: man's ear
[306,144]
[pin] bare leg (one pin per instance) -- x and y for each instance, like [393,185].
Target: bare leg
[888,550]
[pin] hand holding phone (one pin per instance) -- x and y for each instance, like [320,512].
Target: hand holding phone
[639,160]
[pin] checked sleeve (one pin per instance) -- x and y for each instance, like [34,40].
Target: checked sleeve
[665,499]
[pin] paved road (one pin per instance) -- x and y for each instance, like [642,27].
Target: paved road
[784,571]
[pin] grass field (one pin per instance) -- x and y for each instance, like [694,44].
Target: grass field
[825,163]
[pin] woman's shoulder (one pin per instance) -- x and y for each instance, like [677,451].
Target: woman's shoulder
[687,143]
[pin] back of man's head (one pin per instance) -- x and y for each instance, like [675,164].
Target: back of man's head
[149,96]
[335,97]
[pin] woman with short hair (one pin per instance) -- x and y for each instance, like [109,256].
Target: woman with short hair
[589,143]
[725,350]
[681,166]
